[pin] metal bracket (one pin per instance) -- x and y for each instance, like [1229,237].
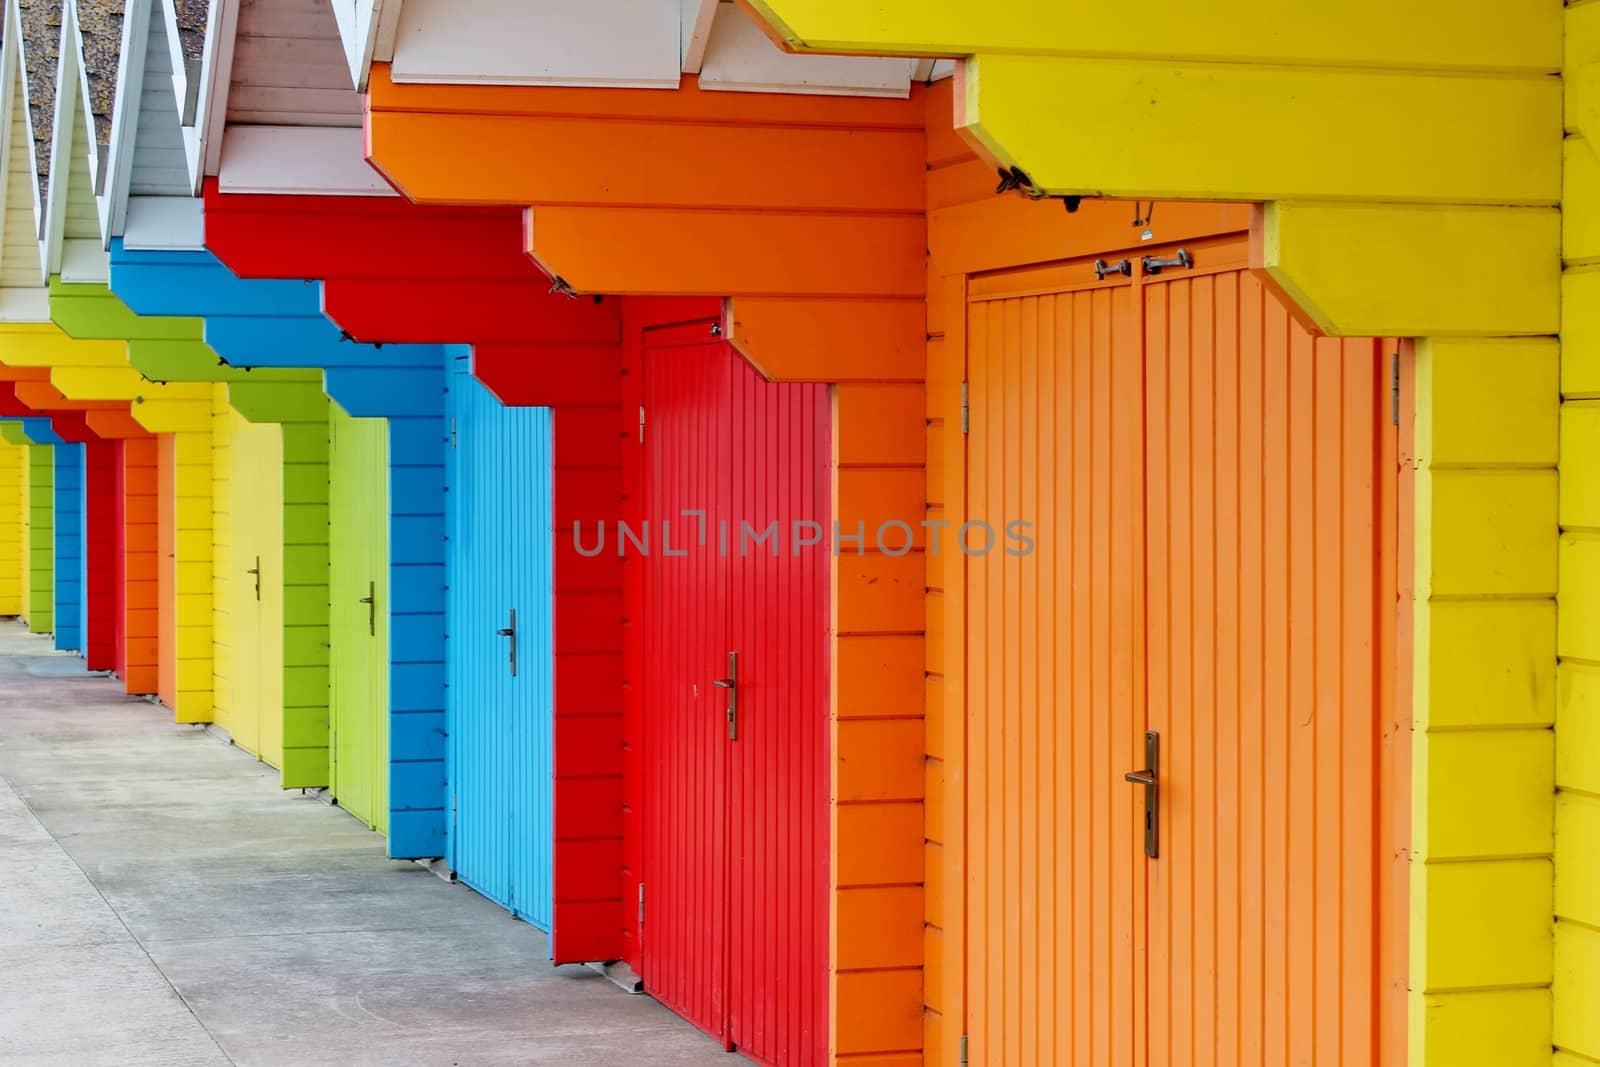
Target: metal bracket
[1152,265]
[256,570]
[1121,266]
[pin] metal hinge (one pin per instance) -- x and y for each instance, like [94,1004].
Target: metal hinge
[1394,389]
[641,903]
[963,1049]
[452,433]
[455,809]
[966,420]
[641,424]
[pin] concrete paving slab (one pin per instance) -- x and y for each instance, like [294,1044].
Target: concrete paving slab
[166,903]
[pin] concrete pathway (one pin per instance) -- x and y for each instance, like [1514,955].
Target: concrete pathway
[163,902]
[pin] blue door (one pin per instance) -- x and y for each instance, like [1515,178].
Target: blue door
[500,652]
[70,630]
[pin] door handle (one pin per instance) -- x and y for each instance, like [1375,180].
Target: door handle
[731,684]
[256,570]
[371,601]
[1153,265]
[1149,777]
[511,632]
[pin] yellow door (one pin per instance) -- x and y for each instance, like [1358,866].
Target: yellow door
[249,586]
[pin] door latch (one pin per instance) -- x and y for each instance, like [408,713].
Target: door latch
[1150,778]
[371,601]
[256,570]
[1121,266]
[731,684]
[511,632]
[1152,265]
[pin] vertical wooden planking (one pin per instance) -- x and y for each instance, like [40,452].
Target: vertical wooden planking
[502,732]
[41,539]
[686,930]
[1054,681]
[141,562]
[69,574]
[1272,500]
[303,521]
[103,566]
[780,473]
[12,570]
[359,572]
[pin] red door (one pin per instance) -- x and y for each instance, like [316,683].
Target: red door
[736,820]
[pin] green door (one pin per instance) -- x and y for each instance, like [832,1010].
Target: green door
[359,615]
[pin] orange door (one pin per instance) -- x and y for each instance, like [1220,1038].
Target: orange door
[1210,503]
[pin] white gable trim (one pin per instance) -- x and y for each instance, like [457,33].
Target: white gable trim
[14,109]
[216,76]
[367,30]
[77,259]
[143,20]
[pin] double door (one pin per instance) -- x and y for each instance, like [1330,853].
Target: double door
[358,546]
[1176,697]
[735,700]
[499,654]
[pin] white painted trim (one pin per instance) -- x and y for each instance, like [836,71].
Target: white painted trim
[741,58]
[696,31]
[18,110]
[67,98]
[310,160]
[125,119]
[367,31]
[387,20]
[165,224]
[25,305]
[193,136]
[84,259]
[216,78]
[616,43]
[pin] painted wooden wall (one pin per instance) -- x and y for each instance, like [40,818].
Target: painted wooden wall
[12,475]
[161,164]
[358,622]
[19,253]
[184,486]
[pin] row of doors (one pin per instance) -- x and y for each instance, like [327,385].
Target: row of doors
[1175,701]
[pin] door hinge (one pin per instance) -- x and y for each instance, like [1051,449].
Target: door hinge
[963,1049]
[641,903]
[966,421]
[452,433]
[455,809]
[1394,388]
[641,424]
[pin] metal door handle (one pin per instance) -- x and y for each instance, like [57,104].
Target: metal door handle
[731,684]
[1152,265]
[1149,777]
[511,632]
[256,570]
[371,601]
[1121,266]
